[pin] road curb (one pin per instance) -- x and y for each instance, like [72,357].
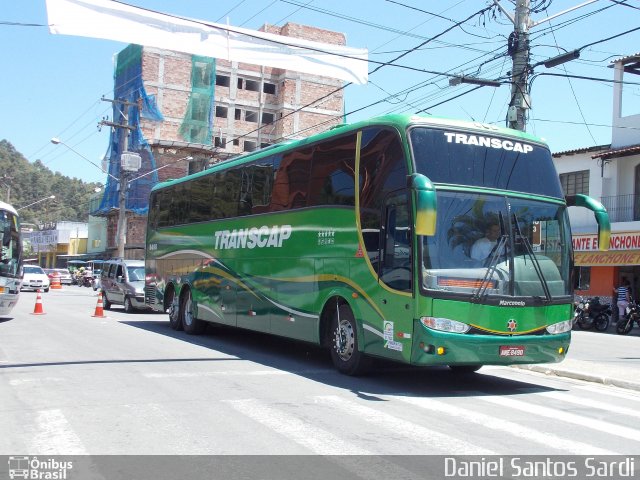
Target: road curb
[602,379]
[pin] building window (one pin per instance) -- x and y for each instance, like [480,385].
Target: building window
[220,142]
[250,116]
[249,146]
[236,142]
[264,145]
[268,117]
[238,114]
[223,80]
[252,85]
[222,112]
[269,88]
[575,182]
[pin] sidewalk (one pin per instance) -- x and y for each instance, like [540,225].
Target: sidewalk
[605,358]
[620,376]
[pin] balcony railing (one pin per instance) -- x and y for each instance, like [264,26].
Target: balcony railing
[622,208]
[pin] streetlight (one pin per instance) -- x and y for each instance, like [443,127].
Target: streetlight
[122,199]
[57,141]
[51,197]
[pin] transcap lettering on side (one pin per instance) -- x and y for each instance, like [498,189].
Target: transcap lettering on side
[488,142]
[262,237]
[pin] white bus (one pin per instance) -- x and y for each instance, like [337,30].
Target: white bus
[11,258]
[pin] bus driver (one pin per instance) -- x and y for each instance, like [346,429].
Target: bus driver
[484,246]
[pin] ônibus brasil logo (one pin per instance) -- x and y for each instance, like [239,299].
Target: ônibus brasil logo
[262,237]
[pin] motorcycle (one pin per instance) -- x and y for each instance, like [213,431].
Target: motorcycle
[87,280]
[591,313]
[632,314]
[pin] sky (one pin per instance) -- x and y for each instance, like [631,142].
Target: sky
[52,85]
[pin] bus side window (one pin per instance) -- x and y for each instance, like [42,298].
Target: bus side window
[396,254]
[382,170]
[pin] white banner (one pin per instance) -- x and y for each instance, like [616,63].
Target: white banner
[125,23]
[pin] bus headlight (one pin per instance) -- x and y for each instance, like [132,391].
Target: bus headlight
[445,324]
[560,327]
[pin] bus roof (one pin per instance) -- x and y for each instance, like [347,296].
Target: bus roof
[396,120]
[9,208]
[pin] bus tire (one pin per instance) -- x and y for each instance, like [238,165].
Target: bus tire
[344,343]
[173,309]
[190,324]
[464,369]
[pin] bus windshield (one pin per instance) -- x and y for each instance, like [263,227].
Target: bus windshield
[484,160]
[498,245]
[11,245]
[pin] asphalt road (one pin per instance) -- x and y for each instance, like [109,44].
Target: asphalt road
[73,384]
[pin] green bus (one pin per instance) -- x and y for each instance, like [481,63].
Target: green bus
[364,239]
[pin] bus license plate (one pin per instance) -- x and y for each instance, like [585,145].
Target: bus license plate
[509,351]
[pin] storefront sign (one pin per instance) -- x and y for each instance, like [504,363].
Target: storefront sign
[619,241]
[608,259]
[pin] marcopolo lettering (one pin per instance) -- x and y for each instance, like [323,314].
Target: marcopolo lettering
[262,237]
[488,142]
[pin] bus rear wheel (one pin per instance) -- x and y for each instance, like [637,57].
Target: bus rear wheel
[190,323]
[344,343]
[174,311]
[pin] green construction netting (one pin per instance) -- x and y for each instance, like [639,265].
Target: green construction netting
[198,120]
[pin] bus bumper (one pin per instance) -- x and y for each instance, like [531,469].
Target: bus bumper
[432,347]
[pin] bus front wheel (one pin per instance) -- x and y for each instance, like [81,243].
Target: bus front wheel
[190,323]
[344,343]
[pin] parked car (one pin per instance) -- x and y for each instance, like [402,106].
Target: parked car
[65,276]
[122,283]
[35,279]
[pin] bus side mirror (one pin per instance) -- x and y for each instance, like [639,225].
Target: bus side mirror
[424,194]
[602,217]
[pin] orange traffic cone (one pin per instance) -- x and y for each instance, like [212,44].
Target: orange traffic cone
[38,310]
[55,282]
[99,308]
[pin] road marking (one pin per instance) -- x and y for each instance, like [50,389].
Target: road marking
[315,439]
[359,461]
[431,439]
[609,407]
[514,429]
[21,381]
[559,415]
[612,391]
[54,435]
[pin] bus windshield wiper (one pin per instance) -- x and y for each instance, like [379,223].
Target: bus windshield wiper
[534,260]
[497,252]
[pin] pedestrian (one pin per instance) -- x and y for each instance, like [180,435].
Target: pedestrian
[622,295]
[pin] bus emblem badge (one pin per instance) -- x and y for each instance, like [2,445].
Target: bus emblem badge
[512,325]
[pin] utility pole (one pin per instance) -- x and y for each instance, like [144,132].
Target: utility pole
[124,171]
[519,51]
[8,185]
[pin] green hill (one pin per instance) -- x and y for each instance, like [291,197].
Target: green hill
[27,182]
